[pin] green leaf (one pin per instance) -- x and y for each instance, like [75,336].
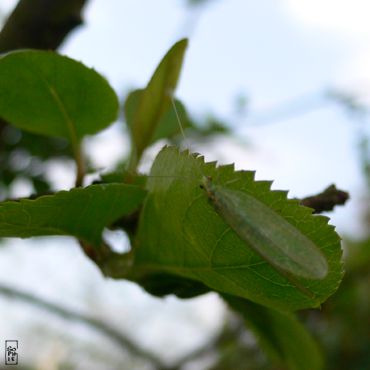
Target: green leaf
[80,212]
[181,233]
[284,339]
[167,126]
[46,93]
[145,108]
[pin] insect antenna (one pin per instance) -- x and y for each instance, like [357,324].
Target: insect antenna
[181,126]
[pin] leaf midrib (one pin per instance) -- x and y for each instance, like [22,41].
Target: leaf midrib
[71,126]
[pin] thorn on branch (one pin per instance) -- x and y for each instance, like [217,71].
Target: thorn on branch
[326,200]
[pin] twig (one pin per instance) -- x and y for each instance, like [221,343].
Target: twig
[327,200]
[120,339]
[40,24]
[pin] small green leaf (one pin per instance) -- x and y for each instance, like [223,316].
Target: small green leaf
[49,94]
[145,108]
[167,126]
[80,212]
[181,233]
[284,339]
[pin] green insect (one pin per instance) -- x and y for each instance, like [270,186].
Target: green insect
[267,233]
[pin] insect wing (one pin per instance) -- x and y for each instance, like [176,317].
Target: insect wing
[269,234]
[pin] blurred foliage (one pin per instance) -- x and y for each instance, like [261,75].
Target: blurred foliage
[198,2]
[343,326]
[237,349]
[364,148]
[210,126]
[24,155]
[349,101]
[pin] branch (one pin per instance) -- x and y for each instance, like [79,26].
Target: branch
[120,339]
[327,200]
[40,24]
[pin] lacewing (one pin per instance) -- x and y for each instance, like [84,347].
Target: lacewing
[267,233]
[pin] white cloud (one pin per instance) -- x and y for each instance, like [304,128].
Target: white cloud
[346,17]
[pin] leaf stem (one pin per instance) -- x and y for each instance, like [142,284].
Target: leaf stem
[75,141]
[80,165]
[133,161]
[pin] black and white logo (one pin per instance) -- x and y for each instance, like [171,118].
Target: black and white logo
[11,352]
